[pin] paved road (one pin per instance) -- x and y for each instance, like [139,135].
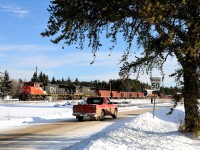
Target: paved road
[62,135]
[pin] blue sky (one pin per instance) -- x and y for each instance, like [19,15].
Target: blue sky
[22,48]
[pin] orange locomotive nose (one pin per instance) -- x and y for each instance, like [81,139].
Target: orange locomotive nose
[33,88]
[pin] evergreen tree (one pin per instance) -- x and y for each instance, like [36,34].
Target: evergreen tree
[34,78]
[5,85]
[53,81]
[76,82]
[45,79]
[69,81]
[40,77]
[162,28]
[20,80]
[62,81]
[58,81]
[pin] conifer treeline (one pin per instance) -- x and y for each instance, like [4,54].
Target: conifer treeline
[118,84]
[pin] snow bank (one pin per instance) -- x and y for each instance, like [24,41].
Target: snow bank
[148,132]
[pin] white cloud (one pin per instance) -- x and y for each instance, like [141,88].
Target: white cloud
[74,64]
[14,9]
[68,60]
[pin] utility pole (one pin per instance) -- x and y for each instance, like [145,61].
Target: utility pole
[110,91]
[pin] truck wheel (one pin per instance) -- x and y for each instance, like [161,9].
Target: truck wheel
[80,118]
[102,115]
[115,114]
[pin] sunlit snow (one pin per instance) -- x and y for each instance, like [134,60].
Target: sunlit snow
[145,131]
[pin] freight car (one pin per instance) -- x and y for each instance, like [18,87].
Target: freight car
[83,91]
[120,94]
[35,91]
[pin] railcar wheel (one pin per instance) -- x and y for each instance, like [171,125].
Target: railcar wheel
[29,97]
[20,97]
[43,97]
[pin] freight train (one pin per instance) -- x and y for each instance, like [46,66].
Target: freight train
[36,91]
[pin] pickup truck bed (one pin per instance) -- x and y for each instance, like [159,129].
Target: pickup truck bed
[96,108]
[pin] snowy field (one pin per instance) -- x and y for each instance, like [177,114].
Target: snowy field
[144,132]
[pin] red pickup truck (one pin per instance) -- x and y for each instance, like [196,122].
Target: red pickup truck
[96,108]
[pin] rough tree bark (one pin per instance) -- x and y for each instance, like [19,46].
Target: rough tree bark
[190,92]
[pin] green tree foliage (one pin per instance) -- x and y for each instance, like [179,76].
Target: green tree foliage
[76,82]
[170,90]
[62,81]
[42,77]
[162,28]
[45,79]
[69,81]
[128,85]
[34,78]
[53,81]
[5,85]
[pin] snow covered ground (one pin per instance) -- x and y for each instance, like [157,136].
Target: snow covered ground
[142,132]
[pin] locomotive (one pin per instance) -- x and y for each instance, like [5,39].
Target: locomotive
[36,91]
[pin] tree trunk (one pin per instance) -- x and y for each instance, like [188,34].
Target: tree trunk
[190,92]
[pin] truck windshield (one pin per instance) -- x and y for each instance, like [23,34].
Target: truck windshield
[95,100]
